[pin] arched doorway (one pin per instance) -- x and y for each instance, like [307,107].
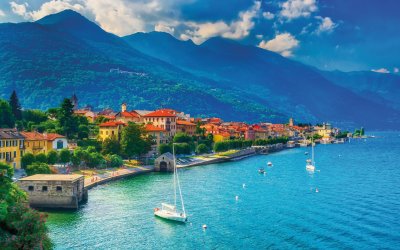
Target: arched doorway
[163,166]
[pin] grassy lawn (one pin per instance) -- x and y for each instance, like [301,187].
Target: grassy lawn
[228,153]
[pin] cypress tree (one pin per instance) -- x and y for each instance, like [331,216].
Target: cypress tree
[15,106]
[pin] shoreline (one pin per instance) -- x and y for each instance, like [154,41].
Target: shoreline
[129,172]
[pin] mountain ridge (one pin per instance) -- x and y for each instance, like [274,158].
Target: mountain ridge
[217,78]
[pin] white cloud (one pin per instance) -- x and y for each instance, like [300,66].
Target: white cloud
[164,28]
[381,70]
[45,9]
[292,9]
[268,15]
[283,44]
[396,70]
[326,25]
[240,28]
[19,9]
[2,14]
[123,17]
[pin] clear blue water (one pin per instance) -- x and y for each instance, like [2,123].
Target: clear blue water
[357,206]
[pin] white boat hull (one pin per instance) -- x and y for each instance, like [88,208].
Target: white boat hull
[169,215]
[310,168]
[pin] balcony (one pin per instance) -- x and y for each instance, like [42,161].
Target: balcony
[9,159]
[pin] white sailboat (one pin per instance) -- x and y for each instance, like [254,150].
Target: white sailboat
[168,211]
[310,166]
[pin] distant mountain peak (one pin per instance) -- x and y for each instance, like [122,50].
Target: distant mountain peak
[63,16]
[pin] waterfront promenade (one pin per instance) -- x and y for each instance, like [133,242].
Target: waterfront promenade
[96,179]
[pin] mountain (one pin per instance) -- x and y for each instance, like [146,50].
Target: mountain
[288,86]
[69,54]
[377,87]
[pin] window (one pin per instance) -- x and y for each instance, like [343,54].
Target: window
[15,154]
[59,189]
[44,189]
[30,188]
[60,144]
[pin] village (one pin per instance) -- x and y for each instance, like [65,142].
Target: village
[61,167]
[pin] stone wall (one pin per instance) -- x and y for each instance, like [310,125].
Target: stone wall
[59,194]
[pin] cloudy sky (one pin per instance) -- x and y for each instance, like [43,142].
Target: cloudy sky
[329,34]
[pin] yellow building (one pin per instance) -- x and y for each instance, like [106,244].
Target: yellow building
[109,129]
[325,130]
[37,143]
[11,147]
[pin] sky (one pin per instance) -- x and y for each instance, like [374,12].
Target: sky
[347,35]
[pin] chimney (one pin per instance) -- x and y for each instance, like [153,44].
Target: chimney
[123,107]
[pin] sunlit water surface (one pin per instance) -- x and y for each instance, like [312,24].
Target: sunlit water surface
[357,206]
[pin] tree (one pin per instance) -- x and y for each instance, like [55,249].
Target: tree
[6,170]
[20,226]
[134,140]
[7,119]
[164,148]
[83,131]
[27,159]
[182,137]
[65,156]
[94,160]
[182,148]
[15,106]
[111,146]
[202,149]
[66,118]
[115,161]
[38,168]
[52,157]
[42,158]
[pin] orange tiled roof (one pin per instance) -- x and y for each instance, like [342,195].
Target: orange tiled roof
[129,114]
[33,136]
[162,113]
[181,122]
[52,136]
[152,128]
[80,112]
[111,124]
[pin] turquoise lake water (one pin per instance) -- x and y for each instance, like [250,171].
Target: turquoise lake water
[357,206]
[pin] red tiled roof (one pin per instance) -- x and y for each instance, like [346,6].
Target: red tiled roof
[52,136]
[152,128]
[111,124]
[162,113]
[33,136]
[80,112]
[181,122]
[129,114]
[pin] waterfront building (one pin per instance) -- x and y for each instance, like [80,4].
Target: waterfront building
[127,116]
[163,118]
[54,190]
[185,127]
[55,141]
[110,129]
[164,163]
[325,130]
[250,134]
[158,134]
[35,142]
[11,147]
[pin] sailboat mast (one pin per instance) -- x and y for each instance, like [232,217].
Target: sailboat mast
[174,175]
[312,153]
[180,192]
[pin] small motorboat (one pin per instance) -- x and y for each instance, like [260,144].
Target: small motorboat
[261,171]
[306,153]
[269,164]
